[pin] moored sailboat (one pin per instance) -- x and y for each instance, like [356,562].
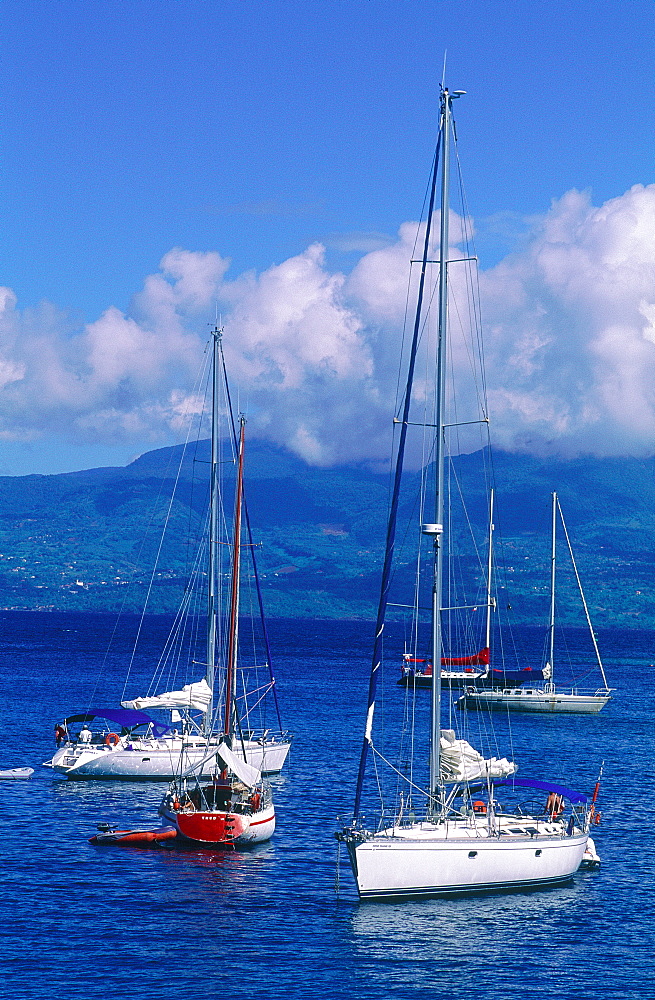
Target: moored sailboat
[475,668]
[451,832]
[457,671]
[130,743]
[222,800]
[548,697]
[236,805]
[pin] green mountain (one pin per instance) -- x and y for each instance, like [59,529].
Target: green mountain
[89,540]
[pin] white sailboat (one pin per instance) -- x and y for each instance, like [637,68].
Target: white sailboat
[128,742]
[548,697]
[448,834]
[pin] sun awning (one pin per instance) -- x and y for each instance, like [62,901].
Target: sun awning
[545,786]
[124,717]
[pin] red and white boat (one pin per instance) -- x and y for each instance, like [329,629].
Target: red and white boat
[416,672]
[219,799]
[234,808]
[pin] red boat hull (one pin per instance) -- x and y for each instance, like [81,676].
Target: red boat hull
[211,827]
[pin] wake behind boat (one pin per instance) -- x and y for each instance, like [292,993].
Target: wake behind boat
[463,826]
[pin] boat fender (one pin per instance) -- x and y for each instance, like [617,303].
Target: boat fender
[112,739]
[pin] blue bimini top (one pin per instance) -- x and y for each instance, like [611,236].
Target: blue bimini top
[544,786]
[126,718]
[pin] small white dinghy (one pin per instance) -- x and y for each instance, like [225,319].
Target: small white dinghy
[590,858]
[12,773]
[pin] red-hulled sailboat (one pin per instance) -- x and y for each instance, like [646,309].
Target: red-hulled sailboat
[221,800]
[235,806]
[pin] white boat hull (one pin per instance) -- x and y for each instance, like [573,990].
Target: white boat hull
[388,867]
[16,773]
[157,760]
[530,700]
[449,679]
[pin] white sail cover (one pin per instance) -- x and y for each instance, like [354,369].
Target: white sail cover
[197,696]
[462,762]
[245,772]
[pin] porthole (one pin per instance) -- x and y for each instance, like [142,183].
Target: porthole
[537,854]
[474,854]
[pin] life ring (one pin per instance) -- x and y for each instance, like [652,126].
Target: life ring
[112,739]
[479,806]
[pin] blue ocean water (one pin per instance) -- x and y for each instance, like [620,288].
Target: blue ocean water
[86,922]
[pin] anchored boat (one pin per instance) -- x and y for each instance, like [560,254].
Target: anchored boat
[220,800]
[469,824]
[129,743]
[547,697]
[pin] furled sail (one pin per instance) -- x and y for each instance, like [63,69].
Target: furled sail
[459,761]
[196,696]
[479,659]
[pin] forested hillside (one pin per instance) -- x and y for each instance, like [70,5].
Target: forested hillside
[89,540]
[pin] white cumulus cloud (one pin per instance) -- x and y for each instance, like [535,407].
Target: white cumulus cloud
[569,323]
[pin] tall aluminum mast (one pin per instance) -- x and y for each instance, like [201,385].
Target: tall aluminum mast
[436,529]
[490,565]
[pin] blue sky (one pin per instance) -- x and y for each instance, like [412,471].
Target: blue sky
[253,129]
